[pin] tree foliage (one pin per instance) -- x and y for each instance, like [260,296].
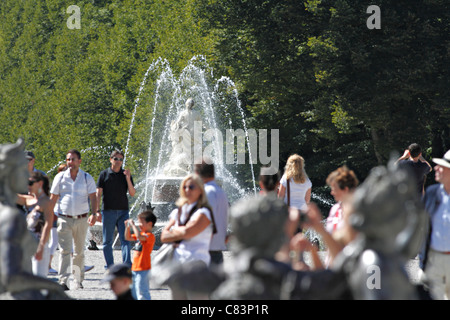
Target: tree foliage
[339,93]
[64,88]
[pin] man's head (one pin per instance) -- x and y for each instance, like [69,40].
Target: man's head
[116,159]
[442,169]
[268,181]
[415,150]
[204,168]
[147,219]
[73,159]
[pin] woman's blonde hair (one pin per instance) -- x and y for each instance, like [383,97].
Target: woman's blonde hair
[202,200]
[295,168]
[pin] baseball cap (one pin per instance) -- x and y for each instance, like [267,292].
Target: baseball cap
[445,162]
[117,271]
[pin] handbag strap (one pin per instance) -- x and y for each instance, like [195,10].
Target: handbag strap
[213,222]
[288,193]
[190,215]
[188,218]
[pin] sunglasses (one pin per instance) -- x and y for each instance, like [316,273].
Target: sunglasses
[117,159]
[31,182]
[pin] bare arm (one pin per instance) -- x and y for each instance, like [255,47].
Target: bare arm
[21,199]
[315,217]
[131,189]
[166,233]
[130,224]
[92,218]
[99,196]
[281,191]
[405,156]
[421,158]
[53,199]
[128,232]
[98,215]
[300,243]
[190,230]
[317,262]
[46,208]
[308,196]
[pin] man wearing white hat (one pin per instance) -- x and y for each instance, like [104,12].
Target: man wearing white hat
[435,255]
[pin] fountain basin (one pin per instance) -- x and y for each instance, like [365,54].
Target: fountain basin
[165,189]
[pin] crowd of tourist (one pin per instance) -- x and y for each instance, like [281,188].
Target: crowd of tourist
[198,228]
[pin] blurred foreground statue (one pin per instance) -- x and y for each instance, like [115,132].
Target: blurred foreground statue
[259,230]
[16,242]
[258,226]
[391,222]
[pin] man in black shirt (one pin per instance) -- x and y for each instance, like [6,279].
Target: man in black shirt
[413,160]
[114,183]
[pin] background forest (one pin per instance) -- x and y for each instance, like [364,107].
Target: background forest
[339,92]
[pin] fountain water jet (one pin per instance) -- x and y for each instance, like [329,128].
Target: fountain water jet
[219,108]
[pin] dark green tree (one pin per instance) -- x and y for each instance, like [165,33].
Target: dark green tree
[389,82]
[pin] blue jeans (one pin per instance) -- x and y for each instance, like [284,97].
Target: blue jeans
[112,219]
[141,285]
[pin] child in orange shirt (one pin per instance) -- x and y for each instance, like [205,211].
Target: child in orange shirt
[142,258]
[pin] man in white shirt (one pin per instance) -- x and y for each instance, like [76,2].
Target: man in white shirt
[73,189]
[435,254]
[218,201]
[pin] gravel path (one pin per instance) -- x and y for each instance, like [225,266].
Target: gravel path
[94,289]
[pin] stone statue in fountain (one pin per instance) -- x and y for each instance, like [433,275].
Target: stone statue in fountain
[16,242]
[184,141]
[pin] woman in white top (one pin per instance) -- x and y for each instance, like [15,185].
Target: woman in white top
[190,224]
[299,183]
[190,227]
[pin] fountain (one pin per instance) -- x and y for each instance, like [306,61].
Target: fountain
[176,120]
[189,117]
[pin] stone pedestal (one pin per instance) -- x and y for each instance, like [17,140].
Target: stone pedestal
[166,189]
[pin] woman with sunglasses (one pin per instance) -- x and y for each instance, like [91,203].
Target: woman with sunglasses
[39,219]
[190,226]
